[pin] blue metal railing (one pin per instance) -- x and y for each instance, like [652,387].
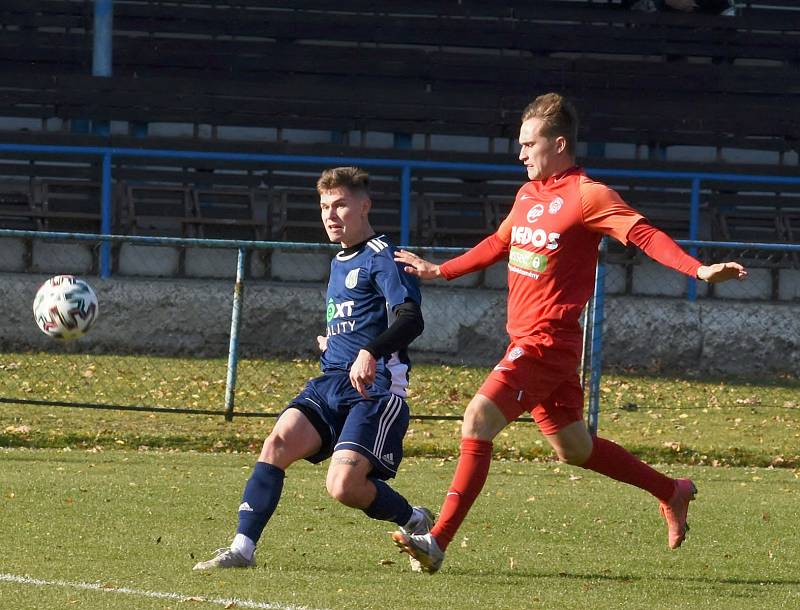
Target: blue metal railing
[594,323]
[236,324]
[596,312]
[405,166]
[596,308]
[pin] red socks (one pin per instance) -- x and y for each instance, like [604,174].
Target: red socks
[607,458]
[610,459]
[471,472]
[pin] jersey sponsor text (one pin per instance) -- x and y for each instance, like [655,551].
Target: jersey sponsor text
[537,238]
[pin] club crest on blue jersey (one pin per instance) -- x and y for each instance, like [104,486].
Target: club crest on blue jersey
[351,279]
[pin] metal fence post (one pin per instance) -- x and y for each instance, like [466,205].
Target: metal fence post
[102,53]
[105,217]
[587,344]
[405,206]
[233,349]
[694,229]
[597,317]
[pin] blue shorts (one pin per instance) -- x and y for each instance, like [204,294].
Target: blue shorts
[344,419]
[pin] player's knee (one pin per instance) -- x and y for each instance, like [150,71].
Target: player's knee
[482,421]
[274,448]
[343,488]
[573,455]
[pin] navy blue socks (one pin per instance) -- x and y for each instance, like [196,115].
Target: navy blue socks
[388,505]
[261,495]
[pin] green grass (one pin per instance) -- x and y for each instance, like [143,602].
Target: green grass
[691,421]
[541,536]
[115,498]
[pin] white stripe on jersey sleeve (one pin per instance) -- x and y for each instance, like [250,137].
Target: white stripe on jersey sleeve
[377,245]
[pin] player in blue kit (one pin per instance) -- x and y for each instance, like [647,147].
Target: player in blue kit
[355,413]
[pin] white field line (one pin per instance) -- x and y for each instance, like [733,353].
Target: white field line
[91,586]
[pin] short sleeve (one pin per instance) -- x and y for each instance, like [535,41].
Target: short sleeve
[394,284]
[605,212]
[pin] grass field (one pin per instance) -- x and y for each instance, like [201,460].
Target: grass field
[105,509]
[691,421]
[542,536]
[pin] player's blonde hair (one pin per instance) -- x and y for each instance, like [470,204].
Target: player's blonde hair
[353,178]
[558,116]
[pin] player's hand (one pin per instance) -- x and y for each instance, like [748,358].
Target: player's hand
[721,272]
[362,373]
[322,342]
[417,266]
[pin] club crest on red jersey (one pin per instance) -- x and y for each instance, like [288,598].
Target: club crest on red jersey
[515,353]
[535,212]
[555,205]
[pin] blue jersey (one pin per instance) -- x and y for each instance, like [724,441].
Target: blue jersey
[364,288]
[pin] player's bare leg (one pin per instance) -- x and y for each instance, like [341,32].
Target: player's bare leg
[574,445]
[350,481]
[347,479]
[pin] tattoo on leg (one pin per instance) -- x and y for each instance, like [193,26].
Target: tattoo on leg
[346,460]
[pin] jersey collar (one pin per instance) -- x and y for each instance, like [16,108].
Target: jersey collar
[556,178]
[351,251]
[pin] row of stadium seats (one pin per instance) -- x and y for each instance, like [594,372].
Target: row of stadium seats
[292,213]
[288,214]
[464,70]
[166,210]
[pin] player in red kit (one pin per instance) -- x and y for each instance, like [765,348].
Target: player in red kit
[551,239]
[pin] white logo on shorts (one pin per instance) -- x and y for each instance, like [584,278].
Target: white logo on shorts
[515,353]
[352,278]
[389,457]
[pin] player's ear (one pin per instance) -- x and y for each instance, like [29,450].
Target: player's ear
[561,144]
[366,206]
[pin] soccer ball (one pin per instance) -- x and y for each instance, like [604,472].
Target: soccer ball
[65,307]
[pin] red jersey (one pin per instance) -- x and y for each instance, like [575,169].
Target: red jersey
[551,238]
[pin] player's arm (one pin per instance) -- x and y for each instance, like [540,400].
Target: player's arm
[407,326]
[604,211]
[662,248]
[402,296]
[486,253]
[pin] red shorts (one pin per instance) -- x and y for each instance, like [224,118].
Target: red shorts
[539,379]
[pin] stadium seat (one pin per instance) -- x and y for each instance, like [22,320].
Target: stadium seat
[297,216]
[17,208]
[227,214]
[71,205]
[159,210]
[455,222]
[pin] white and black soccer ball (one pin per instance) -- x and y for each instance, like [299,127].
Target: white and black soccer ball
[65,307]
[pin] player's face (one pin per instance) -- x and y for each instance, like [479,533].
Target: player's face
[541,155]
[344,214]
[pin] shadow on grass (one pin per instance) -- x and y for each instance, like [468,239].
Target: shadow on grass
[523,575]
[769,380]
